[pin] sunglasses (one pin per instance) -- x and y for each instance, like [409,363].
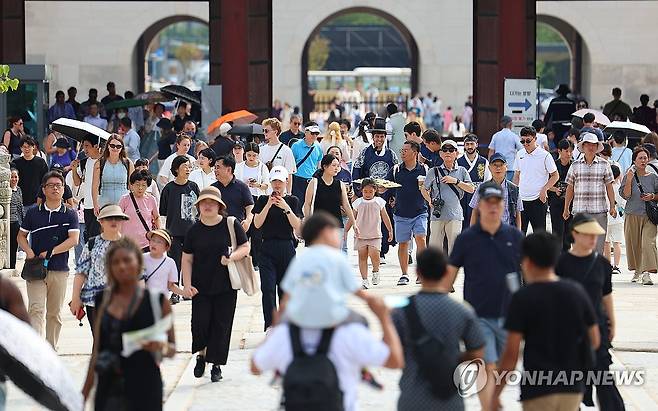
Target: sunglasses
[581,106]
[449,150]
[524,141]
[296,124]
[315,134]
[116,146]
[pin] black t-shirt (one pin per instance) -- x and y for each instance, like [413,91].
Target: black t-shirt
[562,171]
[177,204]
[208,244]
[164,144]
[276,225]
[554,318]
[223,146]
[236,196]
[179,123]
[597,282]
[30,174]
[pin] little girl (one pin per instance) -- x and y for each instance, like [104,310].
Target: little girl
[369,212]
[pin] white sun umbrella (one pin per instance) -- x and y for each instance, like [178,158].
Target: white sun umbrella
[599,117]
[632,130]
[77,130]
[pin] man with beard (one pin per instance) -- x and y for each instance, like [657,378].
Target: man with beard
[477,167]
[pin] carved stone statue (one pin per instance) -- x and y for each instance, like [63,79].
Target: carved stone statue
[5,198]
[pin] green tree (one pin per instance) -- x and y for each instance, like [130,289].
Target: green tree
[7,83]
[318,52]
[185,53]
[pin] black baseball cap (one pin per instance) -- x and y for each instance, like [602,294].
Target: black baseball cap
[490,189]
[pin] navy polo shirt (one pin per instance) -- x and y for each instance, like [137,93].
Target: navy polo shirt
[236,196]
[409,202]
[433,159]
[49,228]
[487,259]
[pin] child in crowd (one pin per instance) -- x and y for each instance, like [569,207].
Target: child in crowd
[369,211]
[16,216]
[160,272]
[615,233]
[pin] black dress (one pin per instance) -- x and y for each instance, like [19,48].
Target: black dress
[329,198]
[214,306]
[139,386]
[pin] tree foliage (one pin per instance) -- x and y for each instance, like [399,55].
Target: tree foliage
[7,83]
[318,52]
[187,52]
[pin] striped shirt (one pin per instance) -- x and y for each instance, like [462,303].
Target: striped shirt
[589,185]
[16,206]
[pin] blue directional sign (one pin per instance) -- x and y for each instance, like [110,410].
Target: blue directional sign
[525,105]
[520,101]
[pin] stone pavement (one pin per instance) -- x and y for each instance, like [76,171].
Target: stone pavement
[636,346]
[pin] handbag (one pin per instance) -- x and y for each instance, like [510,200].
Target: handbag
[650,206]
[249,281]
[34,269]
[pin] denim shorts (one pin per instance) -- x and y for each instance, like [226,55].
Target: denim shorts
[495,338]
[406,228]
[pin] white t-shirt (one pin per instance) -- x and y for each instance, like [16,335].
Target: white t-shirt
[534,169]
[352,347]
[165,170]
[202,179]
[542,139]
[285,157]
[160,279]
[259,173]
[86,185]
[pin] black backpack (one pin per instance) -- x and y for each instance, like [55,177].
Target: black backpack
[434,365]
[311,382]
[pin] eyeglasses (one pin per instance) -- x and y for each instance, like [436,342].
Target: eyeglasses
[296,123]
[51,186]
[140,185]
[115,146]
[449,150]
[526,141]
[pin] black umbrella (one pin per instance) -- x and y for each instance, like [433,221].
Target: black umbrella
[77,130]
[246,130]
[34,367]
[181,92]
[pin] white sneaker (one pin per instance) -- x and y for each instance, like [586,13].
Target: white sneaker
[375,277]
[382,260]
[646,279]
[636,277]
[365,284]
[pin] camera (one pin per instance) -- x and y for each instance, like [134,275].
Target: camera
[562,186]
[437,206]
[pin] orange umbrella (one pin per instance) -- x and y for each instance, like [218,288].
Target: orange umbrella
[237,117]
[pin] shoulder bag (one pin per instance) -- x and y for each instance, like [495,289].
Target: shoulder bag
[303,160]
[246,278]
[139,214]
[650,206]
[36,268]
[270,163]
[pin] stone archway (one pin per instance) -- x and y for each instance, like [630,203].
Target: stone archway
[404,32]
[147,37]
[576,48]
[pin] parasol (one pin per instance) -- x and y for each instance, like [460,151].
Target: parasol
[599,117]
[77,130]
[181,92]
[632,130]
[126,103]
[236,117]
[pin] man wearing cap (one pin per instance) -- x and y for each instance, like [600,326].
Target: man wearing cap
[505,142]
[277,216]
[375,161]
[589,185]
[275,152]
[444,188]
[53,230]
[478,169]
[308,154]
[513,204]
[223,144]
[486,275]
[535,172]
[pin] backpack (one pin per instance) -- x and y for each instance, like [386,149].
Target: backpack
[311,382]
[434,365]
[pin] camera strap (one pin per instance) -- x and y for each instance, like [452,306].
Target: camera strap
[438,172]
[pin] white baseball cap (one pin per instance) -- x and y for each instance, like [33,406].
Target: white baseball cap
[312,129]
[279,173]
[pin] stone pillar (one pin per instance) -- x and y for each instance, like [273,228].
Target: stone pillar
[503,47]
[5,213]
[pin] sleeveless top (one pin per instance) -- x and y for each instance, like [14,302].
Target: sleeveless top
[114,183]
[14,143]
[328,198]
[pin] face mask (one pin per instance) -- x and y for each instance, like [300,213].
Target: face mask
[121,115]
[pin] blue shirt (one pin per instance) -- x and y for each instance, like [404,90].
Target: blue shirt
[487,259]
[433,159]
[310,165]
[409,201]
[623,156]
[344,176]
[57,111]
[507,143]
[50,228]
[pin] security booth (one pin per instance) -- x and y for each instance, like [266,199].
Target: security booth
[29,101]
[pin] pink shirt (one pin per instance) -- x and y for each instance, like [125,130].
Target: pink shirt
[368,217]
[134,228]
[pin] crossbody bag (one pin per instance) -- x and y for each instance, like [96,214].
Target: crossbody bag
[303,160]
[139,213]
[270,163]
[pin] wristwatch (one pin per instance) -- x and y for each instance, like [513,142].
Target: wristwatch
[286,212]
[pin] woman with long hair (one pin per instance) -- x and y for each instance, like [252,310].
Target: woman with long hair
[327,193]
[457,128]
[131,382]
[111,173]
[207,251]
[334,138]
[12,136]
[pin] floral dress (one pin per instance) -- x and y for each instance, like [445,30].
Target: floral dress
[91,264]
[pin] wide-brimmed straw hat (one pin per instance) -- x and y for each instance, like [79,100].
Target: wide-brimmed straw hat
[112,210]
[586,224]
[164,234]
[211,193]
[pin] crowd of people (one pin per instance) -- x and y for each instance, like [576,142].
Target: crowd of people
[143,243]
